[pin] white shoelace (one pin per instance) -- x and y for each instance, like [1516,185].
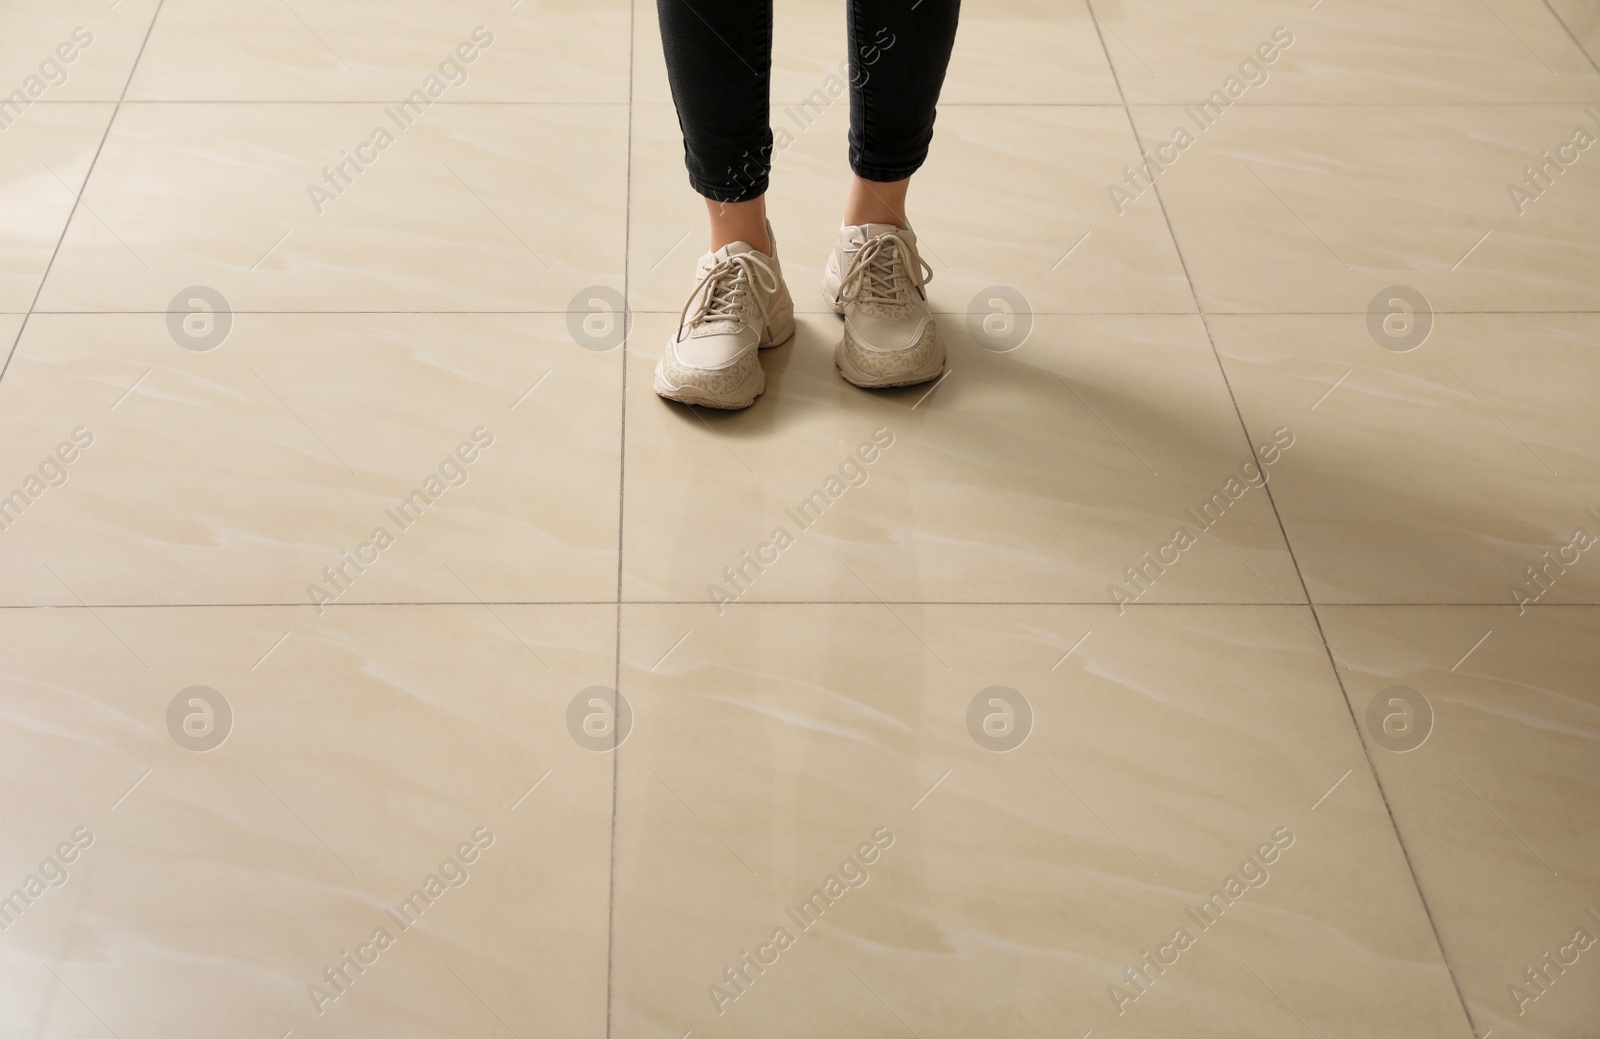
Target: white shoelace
[874,276]
[727,290]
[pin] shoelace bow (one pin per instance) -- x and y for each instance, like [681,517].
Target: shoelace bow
[872,278]
[725,291]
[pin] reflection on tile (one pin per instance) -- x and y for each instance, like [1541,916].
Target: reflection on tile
[955,584]
[359,753]
[48,149]
[242,474]
[1458,471]
[986,177]
[1294,209]
[471,208]
[80,50]
[1019,886]
[1356,52]
[1020,52]
[264,50]
[1501,797]
[957,504]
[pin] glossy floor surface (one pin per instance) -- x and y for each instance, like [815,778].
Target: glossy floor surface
[1212,653]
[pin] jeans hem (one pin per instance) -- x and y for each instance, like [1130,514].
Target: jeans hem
[880,175]
[725,193]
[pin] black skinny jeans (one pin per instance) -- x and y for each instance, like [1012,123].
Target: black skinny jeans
[719,62]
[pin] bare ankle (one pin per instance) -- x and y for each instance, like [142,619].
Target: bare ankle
[876,202]
[739,222]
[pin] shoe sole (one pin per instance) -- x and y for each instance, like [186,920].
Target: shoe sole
[734,401]
[855,377]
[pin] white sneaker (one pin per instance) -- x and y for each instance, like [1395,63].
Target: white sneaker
[877,280]
[739,305]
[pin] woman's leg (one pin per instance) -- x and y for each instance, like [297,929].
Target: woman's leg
[898,57]
[876,277]
[719,63]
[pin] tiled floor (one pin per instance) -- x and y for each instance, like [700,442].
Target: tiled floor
[1331,766]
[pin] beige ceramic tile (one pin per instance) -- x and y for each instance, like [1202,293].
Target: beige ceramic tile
[75,50]
[471,208]
[1358,52]
[1442,474]
[317,50]
[46,155]
[10,325]
[1292,209]
[1582,19]
[1039,475]
[1019,885]
[1498,805]
[213,888]
[1010,196]
[1019,51]
[242,473]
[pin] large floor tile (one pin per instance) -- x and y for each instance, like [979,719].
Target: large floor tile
[46,157]
[1291,209]
[1040,475]
[319,50]
[1010,196]
[10,326]
[219,881]
[78,50]
[1355,52]
[1582,20]
[1500,804]
[472,208]
[1016,52]
[243,473]
[1019,886]
[1456,472]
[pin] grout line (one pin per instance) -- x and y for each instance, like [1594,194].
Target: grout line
[1394,824]
[1581,50]
[819,314]
[622,480]
[592,103]
[76,202]
[1058,604]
